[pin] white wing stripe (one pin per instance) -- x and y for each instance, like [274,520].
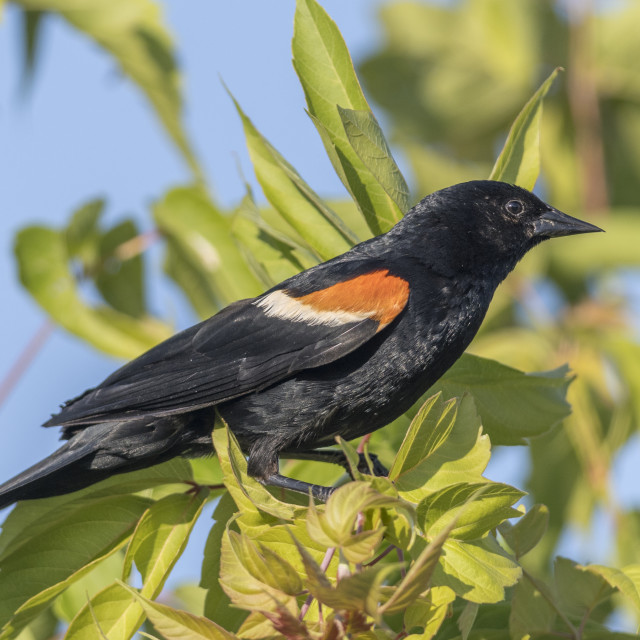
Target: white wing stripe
[278,304]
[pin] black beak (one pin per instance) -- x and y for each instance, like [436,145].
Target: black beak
[554,223]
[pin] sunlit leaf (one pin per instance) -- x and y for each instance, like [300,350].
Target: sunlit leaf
[447,446]
[180,625]
[115,609]
[321,229]
[478,571]
[492,506]
[161,536]
[579,592]
[366,137]
[325,70]
[519,160]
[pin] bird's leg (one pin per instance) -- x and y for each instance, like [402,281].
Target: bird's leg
[318,491]
[337,457]
[263,465]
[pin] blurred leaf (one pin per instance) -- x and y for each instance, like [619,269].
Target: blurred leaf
[444,445]
[179,625]
[44,626]
[476,508]
[501,393]
[367,138]
[82,232]
[466,619]
[531,613]
[579,592]
[321,229]
[271,255]
[120,279]
[31,40]
[43,566]
[203,235]
[526,532]
[626,580]
[115,609]
[519,160]
[74,598]
[132,31]
[161,536]
[44,271]
[323,64]
[478,571]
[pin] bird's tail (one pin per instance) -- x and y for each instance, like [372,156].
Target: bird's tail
[98,451]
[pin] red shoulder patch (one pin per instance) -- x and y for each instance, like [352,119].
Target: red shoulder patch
[377,294]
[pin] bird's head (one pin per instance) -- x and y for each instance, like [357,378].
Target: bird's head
[487,224]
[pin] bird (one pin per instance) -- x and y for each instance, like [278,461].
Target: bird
[341,349]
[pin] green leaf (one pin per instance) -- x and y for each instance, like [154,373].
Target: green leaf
[319,227]
[466,619]
[132,31]
[531,613]
[44,271]
[491,506]
[115,610]
[519,160]
[120,278]
[203,234]
[82,232]
[74,598]
[418,577]
[44,565]
[626,580]
[272,256]
[32,39]
[367,138]
[500,393]
[161,536]
[248,494]
[478,571]
[238,567]
[180,625]
[525,534]
[323,64]
[217,604]
[579,592]
[428,612]
[444,446]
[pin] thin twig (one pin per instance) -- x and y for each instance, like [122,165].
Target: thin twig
[326,561]
[21,365]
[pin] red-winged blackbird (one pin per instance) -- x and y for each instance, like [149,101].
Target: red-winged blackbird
[342,349]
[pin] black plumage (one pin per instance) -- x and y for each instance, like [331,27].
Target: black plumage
[340,349]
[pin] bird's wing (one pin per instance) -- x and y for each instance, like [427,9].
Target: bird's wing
[248,346]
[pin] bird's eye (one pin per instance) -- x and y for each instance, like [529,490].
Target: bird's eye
[514,207]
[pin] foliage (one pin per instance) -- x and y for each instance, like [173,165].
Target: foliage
[436,549]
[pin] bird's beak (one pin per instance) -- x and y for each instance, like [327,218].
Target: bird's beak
[554,223]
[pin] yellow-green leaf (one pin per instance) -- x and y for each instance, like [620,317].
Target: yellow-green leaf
[519,160]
